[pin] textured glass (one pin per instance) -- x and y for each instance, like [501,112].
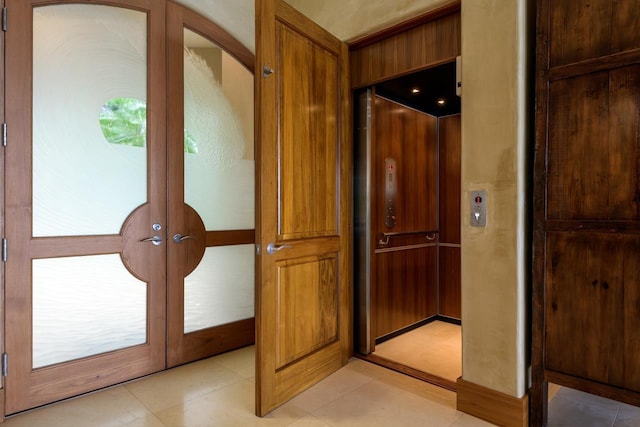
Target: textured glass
[220,290]
[218,115]
[84,306]
[85,56]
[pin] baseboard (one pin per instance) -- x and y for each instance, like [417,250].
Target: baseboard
[493,406]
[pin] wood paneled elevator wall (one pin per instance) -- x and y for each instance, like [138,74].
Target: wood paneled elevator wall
[429,175]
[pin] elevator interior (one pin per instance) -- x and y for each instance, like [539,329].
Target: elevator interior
[407,224]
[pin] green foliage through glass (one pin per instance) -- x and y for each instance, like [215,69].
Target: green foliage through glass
[124,122]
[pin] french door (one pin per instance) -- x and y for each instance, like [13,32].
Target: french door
[129,194]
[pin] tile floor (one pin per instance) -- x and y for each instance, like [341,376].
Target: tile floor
[573,408]
[219,391]
[435,348]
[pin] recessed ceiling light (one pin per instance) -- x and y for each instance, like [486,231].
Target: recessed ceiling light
[415,90]
[441,101]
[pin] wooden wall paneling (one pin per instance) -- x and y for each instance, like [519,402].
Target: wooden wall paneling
[449,140]
[449,284]
[403,282]
[406,291]
[409,137]
[450,294]
[433,42]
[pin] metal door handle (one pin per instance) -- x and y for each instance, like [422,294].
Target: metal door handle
[272,248]
[178,238]
[155,240]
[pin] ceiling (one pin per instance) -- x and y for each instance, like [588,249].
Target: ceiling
[346,19]
[436,90]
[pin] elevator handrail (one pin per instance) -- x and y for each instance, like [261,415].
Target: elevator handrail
[429,235]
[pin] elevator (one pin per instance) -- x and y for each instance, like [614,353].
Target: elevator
[407,224]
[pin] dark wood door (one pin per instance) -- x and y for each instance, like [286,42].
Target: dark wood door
[303,296]
[587,201]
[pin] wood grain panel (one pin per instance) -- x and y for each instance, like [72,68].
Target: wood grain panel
[449,140]
[403,283]
[324,131]
[450,294]
[586,29]
[308,138]
[585,321]
[490,405]
[404,290]
[630,272]
[586,200]
[434,42]
[594,146]
[307,306]
[409,137]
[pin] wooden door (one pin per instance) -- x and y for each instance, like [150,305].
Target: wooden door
[68,229]
[210,244]
[303,299]
[109,238]
[586,308]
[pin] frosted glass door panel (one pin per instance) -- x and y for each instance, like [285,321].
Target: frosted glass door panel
[89,118]
[220,290]
[84,306]
[218,116]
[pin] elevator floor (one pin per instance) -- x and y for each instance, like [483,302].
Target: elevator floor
[435,348]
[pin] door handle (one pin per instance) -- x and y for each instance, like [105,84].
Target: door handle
[272,248]
[155,240]
[178,238]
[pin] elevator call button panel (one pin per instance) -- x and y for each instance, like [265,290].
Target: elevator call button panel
[478,208]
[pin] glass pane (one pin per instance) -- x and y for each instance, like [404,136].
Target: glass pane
[220,289]
[84,306]
[88,60]
[218,117]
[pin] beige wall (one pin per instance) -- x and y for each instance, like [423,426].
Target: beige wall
[494,146]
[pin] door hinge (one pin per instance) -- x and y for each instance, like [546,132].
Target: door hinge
[4,250]
[4,134]
[5,364]
[4,18]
